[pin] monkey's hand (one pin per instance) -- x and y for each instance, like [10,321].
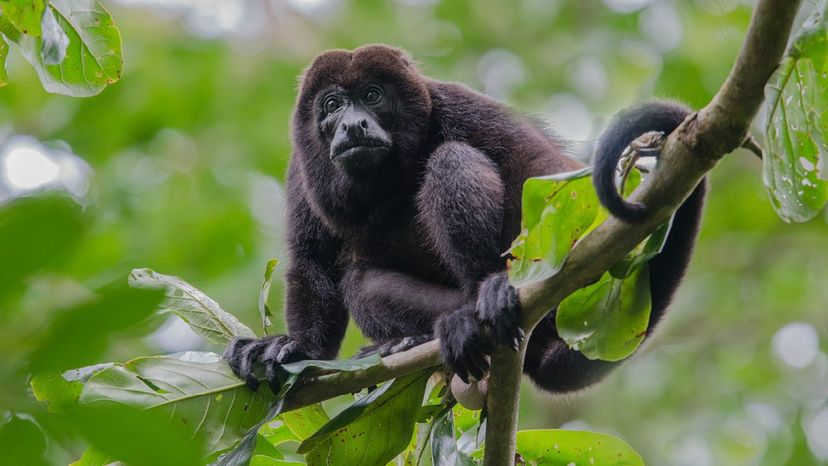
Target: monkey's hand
[498,310]
[463,343]
[243,353]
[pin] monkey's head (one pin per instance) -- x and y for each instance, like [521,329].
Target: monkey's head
[363,110]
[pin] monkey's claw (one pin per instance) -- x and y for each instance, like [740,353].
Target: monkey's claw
[463,345]
[245,354]
[498,310]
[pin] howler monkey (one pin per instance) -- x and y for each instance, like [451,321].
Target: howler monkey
[402,194]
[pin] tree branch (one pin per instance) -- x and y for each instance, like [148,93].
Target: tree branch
[688,154]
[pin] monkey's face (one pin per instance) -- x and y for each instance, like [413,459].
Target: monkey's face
[353,123]
[363,112]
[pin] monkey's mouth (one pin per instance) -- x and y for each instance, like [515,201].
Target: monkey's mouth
[358,148]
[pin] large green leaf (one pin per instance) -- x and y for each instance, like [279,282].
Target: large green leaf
[35,232]
[78,336]
[557,211]
[93,58]
[245,449]
[796,130]
[608,319]
[564,448]
[22,443]
[24,15]
[194,389]
[204,315]
[374,429]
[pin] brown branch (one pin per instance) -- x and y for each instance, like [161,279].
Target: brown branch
[688,154]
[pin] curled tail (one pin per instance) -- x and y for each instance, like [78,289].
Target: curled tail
[626,126]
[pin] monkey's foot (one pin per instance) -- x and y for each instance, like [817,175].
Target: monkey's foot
[463,344]
[498,309]
[243,353]
[394,346]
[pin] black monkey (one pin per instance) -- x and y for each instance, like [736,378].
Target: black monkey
[403,191]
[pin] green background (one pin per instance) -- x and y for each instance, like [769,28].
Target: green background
[187,153]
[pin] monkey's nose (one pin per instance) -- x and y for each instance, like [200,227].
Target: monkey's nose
[355,128]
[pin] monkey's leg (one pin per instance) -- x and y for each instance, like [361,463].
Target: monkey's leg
[390,306]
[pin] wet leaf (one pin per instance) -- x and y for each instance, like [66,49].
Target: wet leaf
[563,448]
[201,313]
[796,130]
[93,57]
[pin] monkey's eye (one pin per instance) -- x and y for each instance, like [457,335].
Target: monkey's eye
[373,96]
[332,104]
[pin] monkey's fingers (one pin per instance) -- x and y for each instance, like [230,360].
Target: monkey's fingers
[241,355]
[498,309]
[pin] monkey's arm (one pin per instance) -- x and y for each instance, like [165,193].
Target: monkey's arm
[315,314]
[389,305]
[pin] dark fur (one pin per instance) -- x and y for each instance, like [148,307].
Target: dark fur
[411,248]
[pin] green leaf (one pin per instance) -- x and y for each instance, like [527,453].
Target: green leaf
[93,58]
[55,40]
[240,455]
[264,309]
[444,451]
[194,389]
[374,429]
[260,460]
[79,336]
[306,421]
[278,433]
[203,315]
[4,52]
[563,448]
[136,436]
[24,15]
[796,130]
[557,211]
[93,457]
[23,442]
[60,390]
[608,319]
[28,244]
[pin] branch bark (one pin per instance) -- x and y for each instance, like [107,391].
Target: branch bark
[688,154]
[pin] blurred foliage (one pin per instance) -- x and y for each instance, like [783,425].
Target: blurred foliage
[188,149]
